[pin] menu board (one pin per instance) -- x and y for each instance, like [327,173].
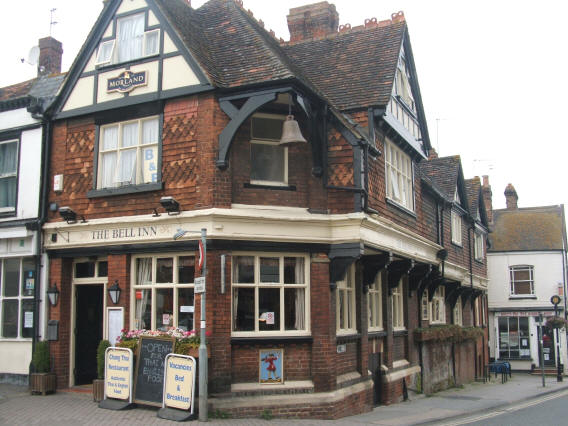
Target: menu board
[150,363]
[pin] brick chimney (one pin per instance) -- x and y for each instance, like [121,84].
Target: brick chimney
[313,20]
[432,154]
[487,198]
[511,197]
[50,53]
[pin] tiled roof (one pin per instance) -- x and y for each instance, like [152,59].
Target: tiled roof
[15,91]
[353,69]
[473,190]
[534,228]
[443,172]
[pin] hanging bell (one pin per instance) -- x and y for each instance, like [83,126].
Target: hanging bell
[291,132]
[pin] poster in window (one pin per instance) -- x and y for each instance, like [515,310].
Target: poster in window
[271,366]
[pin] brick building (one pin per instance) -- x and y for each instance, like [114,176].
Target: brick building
[335,250]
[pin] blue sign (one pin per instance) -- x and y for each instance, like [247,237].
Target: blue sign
[126,81]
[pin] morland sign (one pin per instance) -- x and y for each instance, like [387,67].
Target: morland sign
[126,81]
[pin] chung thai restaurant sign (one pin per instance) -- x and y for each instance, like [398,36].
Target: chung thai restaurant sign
[126,81]
[118,373]
[179,382]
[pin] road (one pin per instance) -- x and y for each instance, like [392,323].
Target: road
[551,410]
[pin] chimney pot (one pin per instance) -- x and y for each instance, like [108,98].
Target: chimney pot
[50,54]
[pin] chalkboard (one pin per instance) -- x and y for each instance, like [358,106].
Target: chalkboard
[150,359]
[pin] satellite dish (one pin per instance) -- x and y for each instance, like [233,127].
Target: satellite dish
[33,55]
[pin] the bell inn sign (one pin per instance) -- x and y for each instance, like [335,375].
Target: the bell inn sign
[126,81]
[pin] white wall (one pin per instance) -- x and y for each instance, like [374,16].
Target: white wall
[547,277]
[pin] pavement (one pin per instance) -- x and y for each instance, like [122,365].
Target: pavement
[18,407]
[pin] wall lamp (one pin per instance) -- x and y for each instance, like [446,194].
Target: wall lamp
[114,292]
[69,215]
[170,204]
[53,294]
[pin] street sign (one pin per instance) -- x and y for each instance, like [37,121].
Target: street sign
[199,285]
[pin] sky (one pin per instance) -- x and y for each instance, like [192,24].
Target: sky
[483,68]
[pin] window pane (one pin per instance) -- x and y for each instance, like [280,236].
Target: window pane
[108,170]
[12,278]
[522,275]
[267,162]
[243,270]
[103,269]
[503,337]
[269,270]
[185,309]
[523,288]
[340,303]
[27,317]
[150,131]
[150,164]
[130,34]
[110,137]
[151,42]
[105,51]
[127,167]
[294,308]
[28,283]
[186,269]
[85,270]
[164,270]
[10,318]
[164,308]
[243,309]
[294,270]
[144,271]
[269,308]
[266,128]
[143,310]
[129,134]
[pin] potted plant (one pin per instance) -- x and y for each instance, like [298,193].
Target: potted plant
[555,322]
[99,382]
[42,380]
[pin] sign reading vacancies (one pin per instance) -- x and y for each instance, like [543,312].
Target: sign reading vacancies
[180,382]
[150,362]
[126,81]
[118,373]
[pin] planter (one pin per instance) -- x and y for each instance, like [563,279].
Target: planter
[184,349]
[42,383]
[98,390]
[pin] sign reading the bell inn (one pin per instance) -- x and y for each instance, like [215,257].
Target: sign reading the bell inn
[126,81]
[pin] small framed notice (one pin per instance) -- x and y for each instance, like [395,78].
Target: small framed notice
[271,366]
[115,323]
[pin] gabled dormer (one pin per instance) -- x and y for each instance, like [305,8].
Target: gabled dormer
[135,53]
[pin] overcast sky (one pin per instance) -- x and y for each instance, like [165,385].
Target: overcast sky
[484,69]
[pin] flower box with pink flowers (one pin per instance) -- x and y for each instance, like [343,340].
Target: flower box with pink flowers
[187,341]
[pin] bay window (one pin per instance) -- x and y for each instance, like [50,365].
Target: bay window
[17,284]
[269,161]
[270,294]
[131,41]
[163,292]
[8,175]
[375,303]
[128,153]
[398,176]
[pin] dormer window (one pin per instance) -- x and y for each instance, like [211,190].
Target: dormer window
[403,88]
[131,42]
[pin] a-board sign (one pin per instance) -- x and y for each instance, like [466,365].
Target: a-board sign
[118,373]
[179,385]
[150,361]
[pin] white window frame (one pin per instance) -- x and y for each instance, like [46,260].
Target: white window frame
[399,176]
[478,245]
[456,227]
[438,316]
[345,306]
[111,58]
[20,298]
[153,286]
[458,312]
[512,281]
[8,209]
[375,303]
[425,307]
[397,306]
[140,148]
[255,140]
[280,285]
